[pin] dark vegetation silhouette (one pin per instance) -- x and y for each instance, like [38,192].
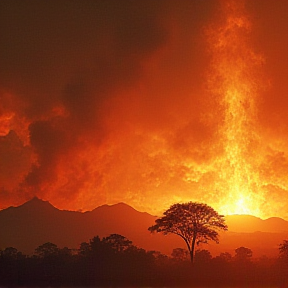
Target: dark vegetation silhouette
[283,247]
[243,254]
[115,261]
[194,222]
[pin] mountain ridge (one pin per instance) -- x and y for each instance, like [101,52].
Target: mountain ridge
[35,222]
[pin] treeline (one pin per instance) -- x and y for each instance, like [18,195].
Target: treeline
[115,261]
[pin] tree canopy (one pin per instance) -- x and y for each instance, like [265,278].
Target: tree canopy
[194,222]
[243,254]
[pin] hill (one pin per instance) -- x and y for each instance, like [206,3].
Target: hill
[250,224]
[35,222]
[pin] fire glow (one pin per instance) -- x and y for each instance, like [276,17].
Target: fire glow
[235,66]
[135,126]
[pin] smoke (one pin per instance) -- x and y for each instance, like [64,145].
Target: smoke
[64,61]
[105,101]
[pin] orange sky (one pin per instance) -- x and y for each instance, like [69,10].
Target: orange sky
[145,102]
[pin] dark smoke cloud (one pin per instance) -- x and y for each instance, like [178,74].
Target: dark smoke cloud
[73,55]
[76,56]
[270,22]
[13,151]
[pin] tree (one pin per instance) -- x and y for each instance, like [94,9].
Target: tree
[11,253]
[225,257]
[47,249]
[283,250]
[179,254]
[243,254]
[12,263]
[84,249]
[48,263]
[194,222]
[203,256]
[118,242]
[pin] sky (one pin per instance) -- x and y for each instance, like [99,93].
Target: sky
[145,102]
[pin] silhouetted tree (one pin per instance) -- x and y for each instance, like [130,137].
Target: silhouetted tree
[221,267]
[84,249]
[118,242]
[96,247]
[49,263]
[225,256]
[65,252]
[180,254]
[194,222]
[11,266]
[160,259]
[203,256]
[47,249]
[283,250]
[11,253]
[243,254]
[94,257]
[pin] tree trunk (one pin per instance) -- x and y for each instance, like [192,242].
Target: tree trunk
[192,256]
[192,249]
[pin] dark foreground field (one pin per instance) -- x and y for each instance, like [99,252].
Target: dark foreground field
[115,261]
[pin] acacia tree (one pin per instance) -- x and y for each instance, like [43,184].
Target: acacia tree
[194,222]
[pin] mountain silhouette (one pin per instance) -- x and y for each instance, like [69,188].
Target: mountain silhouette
[248,224]
[35,222]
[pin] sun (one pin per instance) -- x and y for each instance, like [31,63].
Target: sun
[242,205]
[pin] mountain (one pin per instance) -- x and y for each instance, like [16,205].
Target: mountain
[35,222]
[249,224]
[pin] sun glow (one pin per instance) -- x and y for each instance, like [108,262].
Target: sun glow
[241,205]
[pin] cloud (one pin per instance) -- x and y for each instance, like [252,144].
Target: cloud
[15,161]
[64,62]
